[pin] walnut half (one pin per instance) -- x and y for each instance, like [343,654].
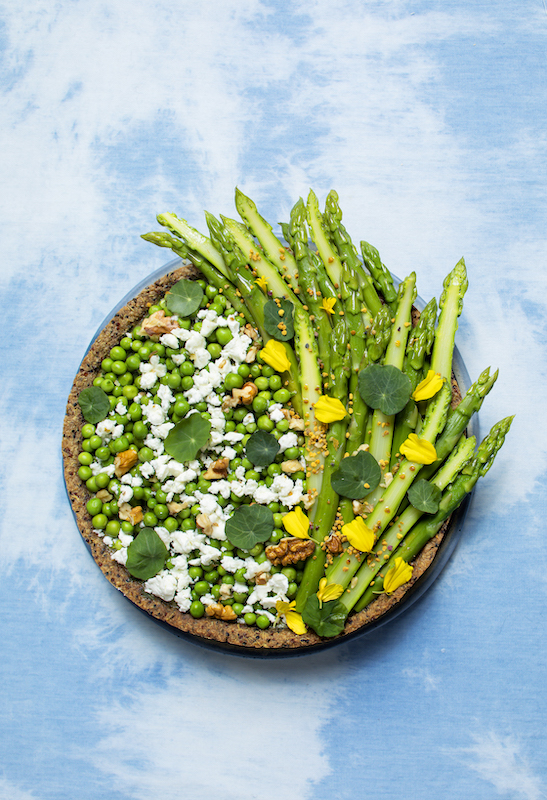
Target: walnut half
[217,470]
[290,551]
[219,611]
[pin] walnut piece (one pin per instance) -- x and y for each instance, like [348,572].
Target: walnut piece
[247,394]
[334,544]
[251,332]
[176,508]
[218,469]
[251,354]
[296,424]
[290,550]
[204,522]
[104,495]
[132,514]
[219,611]
[124,462]
[291,466]
[157,323]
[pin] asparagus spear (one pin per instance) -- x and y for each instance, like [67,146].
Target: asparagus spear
[451,304]
[381,276]
[273,248]
[452,498]
[195,240]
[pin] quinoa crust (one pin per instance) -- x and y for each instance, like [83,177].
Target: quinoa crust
[206,629]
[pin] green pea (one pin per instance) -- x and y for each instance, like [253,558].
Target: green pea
[158,349]
[169,524]
[112,527]
[126,343]
[84,473]
[188,524]
[292,589]
[262,622]
[99,521]
[282,396]
[250,618]
[283,425]
[98,382]
[187,382]
[106,364]
[201,588]
[102,453]
[212,576]
[260,404]
[292,453]
[102,480]
[229,580]
[224,336]
[195,573]
[117,353]
[187,368]
[91,484]
[120,444]
[150,520]
[85,459]
[262,383]
[264,423]
[238,608]
[95,441]
[256,370]
[197,609]
[88,430]
[215,349]
[233,381]
[133,362]
[161,511]
[277,534]
[145,350]
[94,506]
[215,591]
[244,370]
[181,407]
[146,454]
[86,446]
[140,431]
[240,597]
[130,391]
[256,551]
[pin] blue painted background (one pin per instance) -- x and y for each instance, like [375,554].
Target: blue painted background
[429,119]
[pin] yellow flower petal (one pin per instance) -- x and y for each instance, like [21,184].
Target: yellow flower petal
[418,450]
[328,304]
[295,622]
[275,355]
[328,591]
[282,606]
[428,387]
[329,409]
[400,573]
[358,535]
[262,282]
[297,524]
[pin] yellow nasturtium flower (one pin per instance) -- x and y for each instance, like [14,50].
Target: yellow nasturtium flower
[275,355]
[329,409]
[428,387]
[358,535]
[328,591]
[400,573]
[297,523]
[292,618]
[262,282]
[418,450]
[328,304]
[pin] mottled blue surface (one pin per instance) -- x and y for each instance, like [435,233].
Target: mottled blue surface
[429,119]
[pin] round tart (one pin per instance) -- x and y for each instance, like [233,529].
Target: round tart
[233,635]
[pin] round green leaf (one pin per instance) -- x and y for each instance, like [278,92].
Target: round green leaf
[94,404]
[385,387]
[146,555]
[356,476]
[262,448]
[249,526]
[328,620]
[186,439]
[279,312]
[425,496]
[184,298]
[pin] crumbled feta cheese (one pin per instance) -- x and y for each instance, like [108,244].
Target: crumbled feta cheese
[169,340]
[163,585]
[287,440]
[183,599]
[151,371]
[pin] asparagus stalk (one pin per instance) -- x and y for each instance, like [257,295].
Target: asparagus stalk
[273,248]
[381,276]
[451,305]
[452,498]
[195,240]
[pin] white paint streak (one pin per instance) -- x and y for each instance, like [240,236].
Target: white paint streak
[500,761]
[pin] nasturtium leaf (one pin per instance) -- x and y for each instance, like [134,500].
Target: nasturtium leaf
[262,448]
[356,476]
[250,525]
[186,439]
[94,404]
[278,319]
[424,496]
[184,297]
[146,555]
[326,621]
[385,387]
